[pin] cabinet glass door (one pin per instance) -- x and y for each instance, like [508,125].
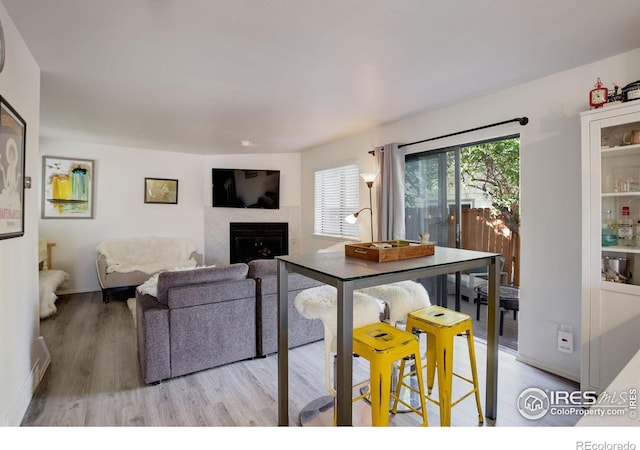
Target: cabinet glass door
[618,145]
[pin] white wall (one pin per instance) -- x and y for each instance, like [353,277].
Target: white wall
[19,318]
[119,205]
[120,210]
[550,189]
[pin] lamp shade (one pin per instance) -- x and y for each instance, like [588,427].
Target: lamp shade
[369,177]
[351,218]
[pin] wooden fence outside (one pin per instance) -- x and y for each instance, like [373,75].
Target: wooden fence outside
[482,232]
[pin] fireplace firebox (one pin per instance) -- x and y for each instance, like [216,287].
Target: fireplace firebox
[257,240]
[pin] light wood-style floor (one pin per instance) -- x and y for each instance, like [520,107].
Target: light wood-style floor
[94,380]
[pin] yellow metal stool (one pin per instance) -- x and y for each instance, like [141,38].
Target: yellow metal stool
[442,325]
[382,345]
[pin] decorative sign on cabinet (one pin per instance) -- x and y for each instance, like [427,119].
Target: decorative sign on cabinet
[610,242]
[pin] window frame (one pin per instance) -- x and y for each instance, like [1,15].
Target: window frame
[343,192]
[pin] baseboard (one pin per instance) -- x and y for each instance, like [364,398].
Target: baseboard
[25,393]
[542,366]
[43,359]
[76,291]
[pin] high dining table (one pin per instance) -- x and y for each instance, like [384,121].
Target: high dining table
[348,274]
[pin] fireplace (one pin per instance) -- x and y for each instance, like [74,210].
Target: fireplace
[257,240]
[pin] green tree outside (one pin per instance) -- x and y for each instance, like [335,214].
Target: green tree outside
[494,169]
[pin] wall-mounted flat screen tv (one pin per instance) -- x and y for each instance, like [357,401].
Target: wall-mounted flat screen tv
[236,188]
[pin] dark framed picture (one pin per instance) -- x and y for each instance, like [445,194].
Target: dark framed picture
[13,132]
[161,190]
[67,188]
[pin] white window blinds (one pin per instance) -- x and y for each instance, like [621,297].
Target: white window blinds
[336,196]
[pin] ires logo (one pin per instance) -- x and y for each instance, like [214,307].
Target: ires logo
[575,398]
[535,403]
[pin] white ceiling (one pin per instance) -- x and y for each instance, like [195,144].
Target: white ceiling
[198,76]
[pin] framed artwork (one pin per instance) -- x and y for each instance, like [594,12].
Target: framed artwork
[67,188]
[13,132]
[160,190]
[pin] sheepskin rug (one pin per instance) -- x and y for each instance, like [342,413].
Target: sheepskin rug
[50,281]
[402,297]
[321,303]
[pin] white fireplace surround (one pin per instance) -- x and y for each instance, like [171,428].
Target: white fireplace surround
[216,228]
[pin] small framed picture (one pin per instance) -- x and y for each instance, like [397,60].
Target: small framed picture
[161,190]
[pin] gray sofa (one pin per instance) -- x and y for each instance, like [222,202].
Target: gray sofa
[208,317]
[301,330]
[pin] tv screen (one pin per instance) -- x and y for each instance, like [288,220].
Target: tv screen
[235,188]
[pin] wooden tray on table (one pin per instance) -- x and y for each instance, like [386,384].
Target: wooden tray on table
[389,250]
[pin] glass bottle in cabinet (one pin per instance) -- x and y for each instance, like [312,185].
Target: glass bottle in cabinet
[609,231]
[625,228]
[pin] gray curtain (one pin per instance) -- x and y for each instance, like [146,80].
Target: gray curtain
[390,192]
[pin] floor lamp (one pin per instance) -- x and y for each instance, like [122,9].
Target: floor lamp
[368,178]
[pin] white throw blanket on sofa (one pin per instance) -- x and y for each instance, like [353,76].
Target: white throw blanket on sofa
[150,287]
[147,254]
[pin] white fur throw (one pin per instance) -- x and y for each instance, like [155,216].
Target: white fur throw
[147,254]
[150,287]
[50,280]
[402,297]
[321,303]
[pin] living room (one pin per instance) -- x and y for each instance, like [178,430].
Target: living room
[551,251]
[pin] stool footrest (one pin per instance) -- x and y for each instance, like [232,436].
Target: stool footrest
[420,391]
[408,405]
[436,401]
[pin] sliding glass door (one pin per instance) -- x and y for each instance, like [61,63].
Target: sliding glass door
[466,197]
[432,205]
[432,198]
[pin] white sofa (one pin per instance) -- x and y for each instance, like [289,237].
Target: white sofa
[129,262]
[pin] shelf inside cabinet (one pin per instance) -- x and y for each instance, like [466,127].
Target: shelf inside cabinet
[621,194]
[625,150]
[621,249]
[620,287]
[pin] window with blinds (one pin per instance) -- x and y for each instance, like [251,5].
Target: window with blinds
[336,196]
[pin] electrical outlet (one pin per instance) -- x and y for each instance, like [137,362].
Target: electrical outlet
[565,341]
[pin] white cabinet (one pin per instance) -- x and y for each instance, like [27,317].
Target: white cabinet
[610,297]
